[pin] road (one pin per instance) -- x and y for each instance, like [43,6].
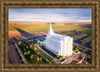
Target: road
[78,39]
[13,56]
[86,48]
[81,38]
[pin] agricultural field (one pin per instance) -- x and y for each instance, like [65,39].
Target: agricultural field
[26,36]
[42,27]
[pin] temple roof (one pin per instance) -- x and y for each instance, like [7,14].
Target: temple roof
[58,37]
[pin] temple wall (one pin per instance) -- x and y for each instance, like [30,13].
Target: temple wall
[53,45]
[62,47]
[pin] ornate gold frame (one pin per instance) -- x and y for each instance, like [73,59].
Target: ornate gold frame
[4,66]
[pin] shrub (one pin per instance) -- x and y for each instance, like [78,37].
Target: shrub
[26,46]
[41,58]
[89,58]
[60,59]
[22,60]
[44,37]
[25,53]
[67,57]
[19,42]
[38,42]
[38,59]
[53,52]
[73,62]
[76,50]
[31,46]
[57,56]
[28,52]
[41,44]
[34,45]
[31,56]
[81,56]
[35,48]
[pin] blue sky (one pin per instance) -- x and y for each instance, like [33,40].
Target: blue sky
[50,14]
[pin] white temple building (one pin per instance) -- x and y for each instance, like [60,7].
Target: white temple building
[61,44]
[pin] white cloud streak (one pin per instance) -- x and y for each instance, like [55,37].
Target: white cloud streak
[45,16]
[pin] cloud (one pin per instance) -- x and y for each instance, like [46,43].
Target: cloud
[55,15]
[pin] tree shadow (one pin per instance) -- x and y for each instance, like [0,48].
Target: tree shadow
[23,33]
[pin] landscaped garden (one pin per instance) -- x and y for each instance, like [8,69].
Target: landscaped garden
[74,62]
[77,48]
[52,53]
[89,55]
[33,54]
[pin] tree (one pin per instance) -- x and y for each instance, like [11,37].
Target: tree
[31,56]
[90,45]
[41,58]
[26,46]
[28,52]
[34,45]
[38,42]
[15,46]
[45,47]
[57,56]
[73,62]
[53,52]
[60,59]
[31,46]
[44,37]
[22,60]
[67,56]
[76,50]
[60,32]
[37,58]
[38,54]
[81,56]
[41,44]
[19,42]
[35,48]
[25,53]
[89,58]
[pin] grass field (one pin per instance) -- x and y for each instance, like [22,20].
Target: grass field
[42,27]
[87,31]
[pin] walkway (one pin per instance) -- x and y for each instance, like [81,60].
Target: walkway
[48,54]
[22,56]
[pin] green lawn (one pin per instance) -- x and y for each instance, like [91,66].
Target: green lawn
[43,27]
[87,31]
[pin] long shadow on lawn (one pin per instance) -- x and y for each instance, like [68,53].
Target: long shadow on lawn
[23,33]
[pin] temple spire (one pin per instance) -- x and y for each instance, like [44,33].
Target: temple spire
[50,31]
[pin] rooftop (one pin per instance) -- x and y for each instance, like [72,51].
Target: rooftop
[58,36]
